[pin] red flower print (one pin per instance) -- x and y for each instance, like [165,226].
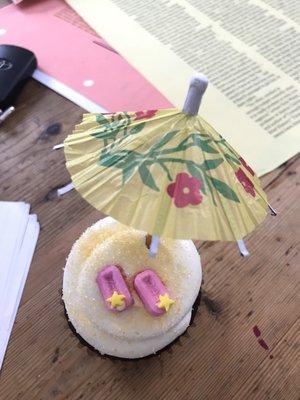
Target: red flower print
[248,168]
[185,190]
[145,114]
[245,181]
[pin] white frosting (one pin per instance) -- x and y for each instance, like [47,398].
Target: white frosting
[134,332]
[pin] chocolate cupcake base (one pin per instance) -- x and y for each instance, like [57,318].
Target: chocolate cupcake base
[105,267]
[167,347]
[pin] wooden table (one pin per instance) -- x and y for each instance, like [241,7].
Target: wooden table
[218,358]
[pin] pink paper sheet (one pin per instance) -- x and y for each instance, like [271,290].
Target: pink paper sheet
[72,53]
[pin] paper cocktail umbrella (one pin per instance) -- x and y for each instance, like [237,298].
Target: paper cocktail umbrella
[167,172]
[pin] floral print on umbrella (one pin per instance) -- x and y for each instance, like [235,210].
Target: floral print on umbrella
[117,127]
[245,165]
[185,190]
[245,181]
[145,114]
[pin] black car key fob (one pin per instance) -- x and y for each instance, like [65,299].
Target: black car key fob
[16,66]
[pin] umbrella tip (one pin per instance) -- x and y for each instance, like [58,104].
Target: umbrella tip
[198,85]
[199,81]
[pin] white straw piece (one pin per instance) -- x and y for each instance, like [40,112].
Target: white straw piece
[243,249]
[65,189]
[58,146]
[5,114]
[154,246]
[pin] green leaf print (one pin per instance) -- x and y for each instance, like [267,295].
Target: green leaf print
[196,172]
[138,128]
[101,119]
[224,189]
[203,144]
[233,159]
[110,160]
[147,178]
[164,140]
[212,164]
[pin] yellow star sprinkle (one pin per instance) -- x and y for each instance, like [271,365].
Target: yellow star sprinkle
[116,300]
[165,302]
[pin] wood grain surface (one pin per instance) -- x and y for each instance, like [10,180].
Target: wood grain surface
[218,358]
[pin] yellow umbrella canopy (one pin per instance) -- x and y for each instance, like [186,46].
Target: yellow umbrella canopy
[167,172]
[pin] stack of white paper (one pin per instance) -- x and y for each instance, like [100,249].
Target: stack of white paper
[18,236]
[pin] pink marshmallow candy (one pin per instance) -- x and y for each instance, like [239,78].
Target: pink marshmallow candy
[110,280]
[148,286]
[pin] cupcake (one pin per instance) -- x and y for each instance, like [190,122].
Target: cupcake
[121,301]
